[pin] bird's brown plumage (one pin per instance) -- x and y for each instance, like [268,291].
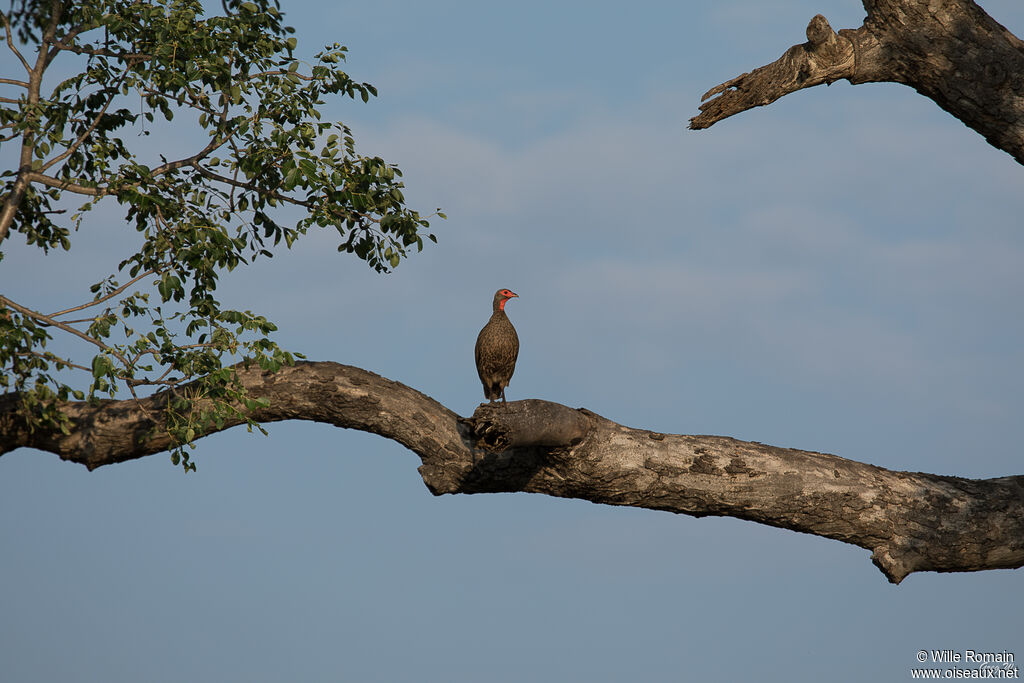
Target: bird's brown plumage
[497,347]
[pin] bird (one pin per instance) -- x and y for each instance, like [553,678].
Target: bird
[497,347]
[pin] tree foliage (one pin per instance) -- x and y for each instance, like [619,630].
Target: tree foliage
[88,83]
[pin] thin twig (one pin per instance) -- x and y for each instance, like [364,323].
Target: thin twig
[282,72]
[81,28]
[82,50]
[249,186]
[67,185]
[63,326]
[105,298]
[190,161]
[95,122]
[52,357]
[10,43]
[79,320]
[195,102]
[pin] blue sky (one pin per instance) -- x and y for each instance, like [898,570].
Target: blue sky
[840,271]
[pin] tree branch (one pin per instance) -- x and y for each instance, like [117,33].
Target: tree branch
[251,186]
[910,521]
[950,51]
[10,43]
[54,358]
[193,160]
[106,297]
[36,315]
[98,52]
[88,131]
[18,189]
[824,58]
[50,181]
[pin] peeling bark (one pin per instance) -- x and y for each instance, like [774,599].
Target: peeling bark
[910,521]
[950,51]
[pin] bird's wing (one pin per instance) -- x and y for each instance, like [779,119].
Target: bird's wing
[515,346]
[476,350]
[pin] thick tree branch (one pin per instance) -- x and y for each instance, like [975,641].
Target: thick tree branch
[910,521]
[14,198]
[950,51]
[824,58]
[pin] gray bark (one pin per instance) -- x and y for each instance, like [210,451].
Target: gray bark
[910,521]
[950,51]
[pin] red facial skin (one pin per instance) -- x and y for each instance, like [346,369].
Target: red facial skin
[508,294]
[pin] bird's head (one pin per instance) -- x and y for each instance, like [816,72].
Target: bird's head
[501,297]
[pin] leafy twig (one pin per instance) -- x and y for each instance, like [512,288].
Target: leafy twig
[111,295]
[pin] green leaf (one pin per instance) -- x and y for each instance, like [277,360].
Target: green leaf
[101,366]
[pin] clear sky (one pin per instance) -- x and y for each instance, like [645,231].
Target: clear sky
[841,271]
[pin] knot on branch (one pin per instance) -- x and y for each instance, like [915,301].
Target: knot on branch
[819,32]
[827,49]
[498,427]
